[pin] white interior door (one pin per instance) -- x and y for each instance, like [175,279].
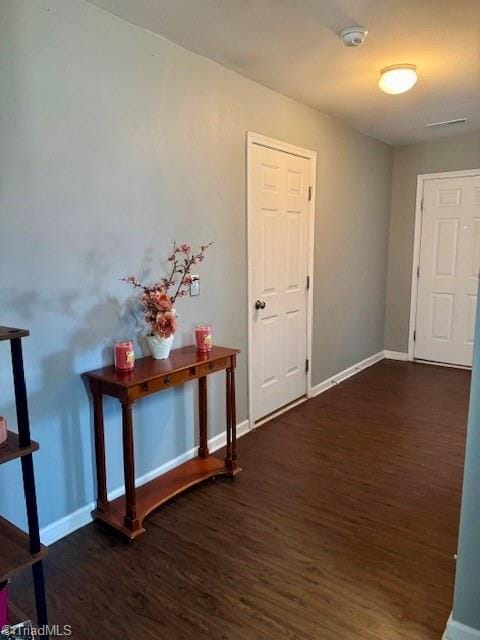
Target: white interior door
[449,267]
[279,208]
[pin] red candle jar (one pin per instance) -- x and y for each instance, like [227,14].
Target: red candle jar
[124,355]
[203,338]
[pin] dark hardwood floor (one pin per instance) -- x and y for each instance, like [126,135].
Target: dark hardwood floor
[342,526]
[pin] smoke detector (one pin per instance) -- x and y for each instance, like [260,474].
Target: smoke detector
[353,36]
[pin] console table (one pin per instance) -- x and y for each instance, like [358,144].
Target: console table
[126,514]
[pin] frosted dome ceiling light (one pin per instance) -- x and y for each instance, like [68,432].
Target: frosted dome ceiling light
[398,78]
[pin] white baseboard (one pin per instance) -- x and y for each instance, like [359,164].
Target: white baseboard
[281,411]
[73,521]
[458,631]
[395,355]
[346,373]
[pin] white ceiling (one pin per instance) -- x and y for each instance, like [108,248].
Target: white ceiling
[292,46]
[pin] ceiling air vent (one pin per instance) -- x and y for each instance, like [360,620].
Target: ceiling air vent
[446,123]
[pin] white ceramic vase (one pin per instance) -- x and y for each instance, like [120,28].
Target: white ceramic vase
[160,347]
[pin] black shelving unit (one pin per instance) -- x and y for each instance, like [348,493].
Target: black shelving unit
[17,548]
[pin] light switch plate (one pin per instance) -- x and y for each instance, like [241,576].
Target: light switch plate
[195,286]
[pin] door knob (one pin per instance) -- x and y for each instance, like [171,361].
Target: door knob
[259,304]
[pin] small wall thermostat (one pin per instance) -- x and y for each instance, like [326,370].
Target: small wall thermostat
[195,286]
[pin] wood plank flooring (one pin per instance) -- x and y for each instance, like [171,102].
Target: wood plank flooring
[342,525]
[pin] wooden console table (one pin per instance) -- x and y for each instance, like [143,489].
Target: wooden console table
[127,513]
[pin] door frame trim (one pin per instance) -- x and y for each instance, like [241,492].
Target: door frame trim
[421,179]
[252,139]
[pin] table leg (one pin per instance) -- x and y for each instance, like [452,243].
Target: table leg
[229,458]
[130,520]
[99,447]
[233,418]
[202,410]
[40,598]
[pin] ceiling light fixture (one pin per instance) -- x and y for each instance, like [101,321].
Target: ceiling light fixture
[398,78]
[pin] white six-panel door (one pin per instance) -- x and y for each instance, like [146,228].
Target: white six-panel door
[279,224]
[448,270]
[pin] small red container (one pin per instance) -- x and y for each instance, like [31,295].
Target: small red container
[203,338]
[124,355]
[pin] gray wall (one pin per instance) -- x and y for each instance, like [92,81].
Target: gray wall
[351,244]
[113,142]
[448,154]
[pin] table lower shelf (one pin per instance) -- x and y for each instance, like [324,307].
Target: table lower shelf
[154,493]
[15,550]
[11,449]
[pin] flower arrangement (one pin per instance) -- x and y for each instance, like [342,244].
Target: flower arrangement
[158,300]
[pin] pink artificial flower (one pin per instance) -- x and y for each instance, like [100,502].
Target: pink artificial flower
[187,279]
[166,325]
[160,299]
[184,248]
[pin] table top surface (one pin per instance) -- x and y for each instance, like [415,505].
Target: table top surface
[148,369]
